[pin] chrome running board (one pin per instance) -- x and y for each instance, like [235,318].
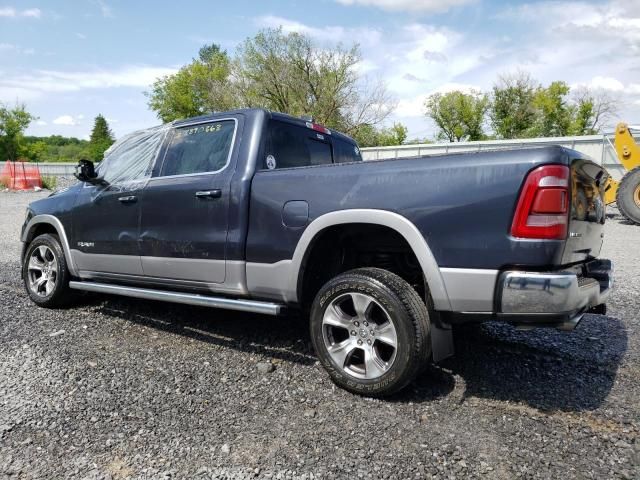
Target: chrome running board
[265,308]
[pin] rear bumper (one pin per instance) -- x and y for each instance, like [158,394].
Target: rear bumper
[555,297]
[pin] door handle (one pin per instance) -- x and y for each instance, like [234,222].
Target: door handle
[128,199]
[217,193]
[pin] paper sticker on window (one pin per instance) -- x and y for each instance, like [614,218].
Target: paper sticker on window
[320,137]
[271,162]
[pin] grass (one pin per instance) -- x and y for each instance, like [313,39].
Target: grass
[49,182]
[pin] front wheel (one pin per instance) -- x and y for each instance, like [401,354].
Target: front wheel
[45,273]
[371,331]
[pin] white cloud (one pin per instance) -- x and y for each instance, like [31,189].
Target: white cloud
[66,120]
[37,83]
[409,5]
[11,12]
[602,83]
[365,36]
[32,12]
[7,46]
[41,123]
[105,9]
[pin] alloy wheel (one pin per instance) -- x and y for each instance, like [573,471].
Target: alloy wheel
[359,335]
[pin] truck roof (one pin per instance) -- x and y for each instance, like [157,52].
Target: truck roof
[272,114]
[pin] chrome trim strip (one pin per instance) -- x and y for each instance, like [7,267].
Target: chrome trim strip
[470,289]
[233,144]
[265,308]
[51,220]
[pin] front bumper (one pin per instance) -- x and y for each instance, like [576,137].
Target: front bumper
[556,298]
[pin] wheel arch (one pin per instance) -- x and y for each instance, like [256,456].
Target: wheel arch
[39,221]
[384,218]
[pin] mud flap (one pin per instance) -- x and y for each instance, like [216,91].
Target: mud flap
[441,341]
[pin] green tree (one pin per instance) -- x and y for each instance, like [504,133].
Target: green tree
[458,116]
[101,138]
[13,122]
[370,136]
[592,108]
[202,86]
[285,72]
[554,112]
[512,110]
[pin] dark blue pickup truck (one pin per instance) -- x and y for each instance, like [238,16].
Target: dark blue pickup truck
[258,211]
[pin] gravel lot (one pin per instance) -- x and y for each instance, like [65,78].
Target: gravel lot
[122,388]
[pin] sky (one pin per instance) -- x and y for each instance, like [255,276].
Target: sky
[69,61]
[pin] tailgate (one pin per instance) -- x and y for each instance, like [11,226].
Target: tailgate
[587,215]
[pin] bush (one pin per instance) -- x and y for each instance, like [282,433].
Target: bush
[49,182]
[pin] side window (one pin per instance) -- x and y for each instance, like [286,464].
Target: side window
[345,151]
[295,146]
[199,148]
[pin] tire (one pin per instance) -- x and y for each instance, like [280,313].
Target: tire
[371,331]
[45,273]
[628,196]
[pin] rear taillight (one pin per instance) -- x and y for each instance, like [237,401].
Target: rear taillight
[543,206]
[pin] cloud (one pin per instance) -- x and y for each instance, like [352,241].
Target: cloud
[105,9]
[66,120]
[602,83]
[37,83]
[32,12]
[41,123]
[10,12]
[364,36]
[409,5]
[81,36]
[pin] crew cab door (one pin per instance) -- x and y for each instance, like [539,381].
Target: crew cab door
[105,218]
[184,209]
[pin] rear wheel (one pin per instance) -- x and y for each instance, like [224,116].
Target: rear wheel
[371,331]
[45,273]
[628,196]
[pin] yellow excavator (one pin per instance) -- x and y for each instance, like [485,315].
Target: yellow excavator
[626,192]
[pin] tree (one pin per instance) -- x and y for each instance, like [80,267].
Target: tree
[101,138]
[203,86]
[512,111]
[592,108]
[554,112]
[13,123]
[288,73]
[459,116]
[370,136]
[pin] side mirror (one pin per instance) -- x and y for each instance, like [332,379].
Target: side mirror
[86,172]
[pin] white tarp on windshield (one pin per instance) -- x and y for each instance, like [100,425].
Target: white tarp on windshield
[130,160]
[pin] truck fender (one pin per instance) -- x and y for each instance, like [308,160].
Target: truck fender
[55,223]
[397,222]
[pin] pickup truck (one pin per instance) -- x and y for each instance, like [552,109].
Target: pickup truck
[263,212]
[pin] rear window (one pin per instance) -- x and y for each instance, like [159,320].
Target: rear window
[199,148]
[344,151]
[295,146]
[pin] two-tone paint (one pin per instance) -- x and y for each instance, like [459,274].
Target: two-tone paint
[455,212]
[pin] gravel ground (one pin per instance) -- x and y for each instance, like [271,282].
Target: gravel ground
[122,388]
